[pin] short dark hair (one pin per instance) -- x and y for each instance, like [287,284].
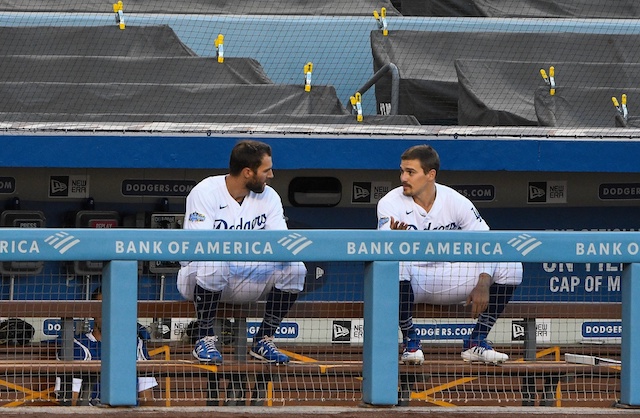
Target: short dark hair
[429,158]
[247,153]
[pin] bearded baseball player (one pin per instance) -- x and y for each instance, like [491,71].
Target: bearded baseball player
[423,204]
[239,200]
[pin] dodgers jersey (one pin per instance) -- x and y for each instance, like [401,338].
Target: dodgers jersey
[450,211]
[210,206]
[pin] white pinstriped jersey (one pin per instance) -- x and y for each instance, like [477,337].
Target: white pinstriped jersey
[442,282]
[210,206]
[450,211]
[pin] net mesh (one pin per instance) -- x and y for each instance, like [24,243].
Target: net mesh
[291,66]
[164,65]
[561,332]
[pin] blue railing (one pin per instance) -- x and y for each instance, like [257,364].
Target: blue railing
[380,250]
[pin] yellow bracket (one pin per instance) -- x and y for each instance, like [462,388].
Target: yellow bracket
[219,44]
[299,357]
[555,350]
[30,394]
[118,9]
[270,393]
[308,69]
[167,380]
[426,395]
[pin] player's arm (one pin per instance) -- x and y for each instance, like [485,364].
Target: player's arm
[469,218]
[479,296]
[387,218]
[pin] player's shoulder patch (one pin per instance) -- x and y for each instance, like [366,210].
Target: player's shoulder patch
[382,221]
[196,217]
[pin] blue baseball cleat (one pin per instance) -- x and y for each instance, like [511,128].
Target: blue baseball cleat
[206,351]
[412,353]
[266,350]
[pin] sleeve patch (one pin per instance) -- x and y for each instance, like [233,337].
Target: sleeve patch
[196,217]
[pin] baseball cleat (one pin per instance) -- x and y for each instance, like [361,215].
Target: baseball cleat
[266,350]
[412,357]
[412,353]
[483,352]
[206,351]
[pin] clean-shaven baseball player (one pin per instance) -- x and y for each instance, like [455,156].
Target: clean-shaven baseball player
[424,205]
[239,200]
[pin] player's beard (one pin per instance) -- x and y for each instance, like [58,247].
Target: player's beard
[255,186]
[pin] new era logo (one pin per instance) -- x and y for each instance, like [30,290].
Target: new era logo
[62,241]
[536,192]
[295,242]
[524,243]
[518,331]
[341,331]
[361,192]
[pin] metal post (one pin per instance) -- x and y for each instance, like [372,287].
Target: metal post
[118,375]
[629,384]
[380,362]
[395,84]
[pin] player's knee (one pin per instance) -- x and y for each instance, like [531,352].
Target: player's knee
[293,278]
[302,269]
[509,274]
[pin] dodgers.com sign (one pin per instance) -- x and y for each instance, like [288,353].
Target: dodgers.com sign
[443,331]
[612,329]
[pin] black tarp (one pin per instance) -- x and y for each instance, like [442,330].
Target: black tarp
[149,99]
[135,41]
[144,75]
[613,9]
[428,78]
[501,93]
[180,103]
[580,107]
[163,70]
[236,7]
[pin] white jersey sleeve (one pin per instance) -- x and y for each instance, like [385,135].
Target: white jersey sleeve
[200,206]
[460,211]
[391,206]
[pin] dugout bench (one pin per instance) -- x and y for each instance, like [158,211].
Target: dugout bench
[243,377]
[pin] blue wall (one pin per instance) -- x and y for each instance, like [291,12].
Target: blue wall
[201,151]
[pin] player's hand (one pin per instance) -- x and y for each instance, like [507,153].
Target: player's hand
[479,296]
[397,224]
